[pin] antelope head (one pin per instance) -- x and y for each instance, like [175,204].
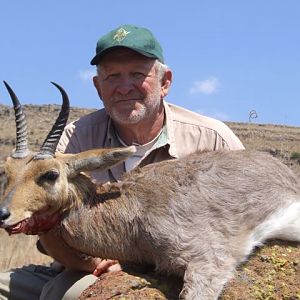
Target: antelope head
[42,185]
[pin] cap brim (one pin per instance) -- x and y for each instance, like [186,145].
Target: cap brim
[97,58]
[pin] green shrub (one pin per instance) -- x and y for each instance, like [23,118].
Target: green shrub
[295,156]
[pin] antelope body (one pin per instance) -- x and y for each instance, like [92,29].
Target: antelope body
[197,217]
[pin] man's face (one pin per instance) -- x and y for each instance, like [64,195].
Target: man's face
[129,86]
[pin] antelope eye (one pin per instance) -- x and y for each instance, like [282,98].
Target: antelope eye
[49,176]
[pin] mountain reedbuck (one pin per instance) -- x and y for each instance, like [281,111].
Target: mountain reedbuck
[197,217]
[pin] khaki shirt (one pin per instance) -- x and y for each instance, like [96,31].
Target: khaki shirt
[184,132]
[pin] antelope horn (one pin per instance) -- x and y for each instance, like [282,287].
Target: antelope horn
[49,146]
[21,150]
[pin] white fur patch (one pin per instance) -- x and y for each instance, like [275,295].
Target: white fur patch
[283,224]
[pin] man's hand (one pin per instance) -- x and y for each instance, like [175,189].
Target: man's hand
[107,265]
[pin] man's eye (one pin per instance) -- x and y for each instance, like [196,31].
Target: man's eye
[111,76]
[138,75]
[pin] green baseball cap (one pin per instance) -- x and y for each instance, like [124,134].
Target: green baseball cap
[129,36]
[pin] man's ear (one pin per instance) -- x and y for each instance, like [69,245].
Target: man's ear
[97,85]
[166,83]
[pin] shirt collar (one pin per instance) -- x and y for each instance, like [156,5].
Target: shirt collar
[169,124]
[111,140]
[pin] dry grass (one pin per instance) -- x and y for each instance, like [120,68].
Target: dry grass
[19,250]
[280,141]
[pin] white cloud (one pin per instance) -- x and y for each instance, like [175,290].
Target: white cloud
[208,86]
[86,74]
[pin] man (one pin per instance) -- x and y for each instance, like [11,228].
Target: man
[132,82]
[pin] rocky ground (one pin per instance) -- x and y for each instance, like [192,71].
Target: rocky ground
[272,272]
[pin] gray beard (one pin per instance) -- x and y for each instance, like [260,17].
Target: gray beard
[144,112]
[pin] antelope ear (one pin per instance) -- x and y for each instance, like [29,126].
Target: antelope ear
[98,159]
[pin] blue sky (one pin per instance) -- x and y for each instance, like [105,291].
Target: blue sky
[228,57]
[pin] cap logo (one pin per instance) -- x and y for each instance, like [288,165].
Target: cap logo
[120,35]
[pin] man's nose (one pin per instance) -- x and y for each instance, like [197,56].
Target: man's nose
[126,85]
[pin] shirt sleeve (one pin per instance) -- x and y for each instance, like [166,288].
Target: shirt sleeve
[228,141]
[68,142]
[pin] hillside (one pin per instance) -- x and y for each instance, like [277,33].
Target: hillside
[273,273]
